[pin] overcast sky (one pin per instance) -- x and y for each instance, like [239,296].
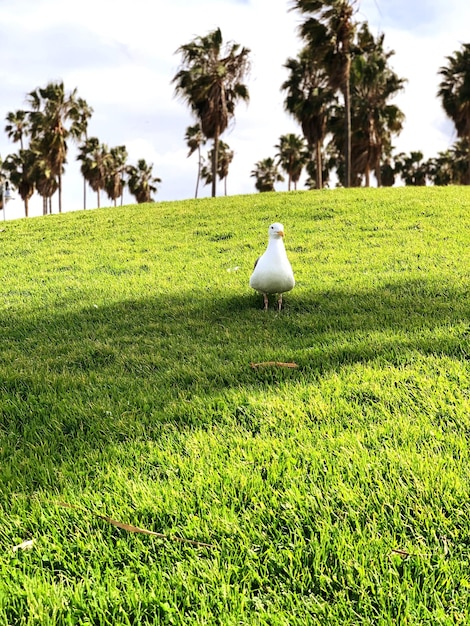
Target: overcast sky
[121,57]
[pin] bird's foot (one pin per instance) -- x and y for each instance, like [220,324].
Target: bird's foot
[266,301]
[279,302]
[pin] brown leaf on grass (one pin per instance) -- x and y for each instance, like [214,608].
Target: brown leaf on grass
[273,364]
[135,529]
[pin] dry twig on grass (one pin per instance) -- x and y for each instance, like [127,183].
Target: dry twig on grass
[273,364]
[135,529]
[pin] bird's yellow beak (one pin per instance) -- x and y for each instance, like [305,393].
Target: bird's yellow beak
[280,233]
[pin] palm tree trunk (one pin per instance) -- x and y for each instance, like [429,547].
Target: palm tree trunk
[319,165]
[198,170]
[347,129]
[378,173]
[215,155]
[84,193]
[59,179]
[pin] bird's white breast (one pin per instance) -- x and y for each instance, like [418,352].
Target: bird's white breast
[273,272]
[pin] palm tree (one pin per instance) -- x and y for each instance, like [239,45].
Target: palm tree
[328,32]
[387,173]
[46,182]
[210,80]
[81,115]
[373,83]
[94,156]
[52,108]
[194,140]
[454,91]
[4,186]
[411,168]
[309,99]
[450,167]
[292,156]
[373,119]
[17,126]
[141,181]
[460,155]
[266,173]
[115,166]
[328,162]
[23,173]
[225,157]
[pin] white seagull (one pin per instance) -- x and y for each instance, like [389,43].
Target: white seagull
[272,272]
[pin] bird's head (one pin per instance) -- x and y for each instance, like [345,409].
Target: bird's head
[276,230]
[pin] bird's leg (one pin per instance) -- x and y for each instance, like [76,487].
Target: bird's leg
[279,302]
[266,301]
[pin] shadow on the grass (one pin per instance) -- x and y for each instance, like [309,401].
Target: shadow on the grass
[113,372]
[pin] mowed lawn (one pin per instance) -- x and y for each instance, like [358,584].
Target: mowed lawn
[335,492]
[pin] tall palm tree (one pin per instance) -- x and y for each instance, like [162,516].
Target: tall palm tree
[141,181]
[81,114]
[329,32]
[94,157]
[46,182]
[17,126]
[52,112]
[23,174]
[309,99]
[454,91]
[292,156]
[373,83]
[266,173]
[194,140]
[210,80]
[224,158]
[328,162]
[115,168]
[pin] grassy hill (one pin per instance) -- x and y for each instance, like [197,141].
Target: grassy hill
[332,493]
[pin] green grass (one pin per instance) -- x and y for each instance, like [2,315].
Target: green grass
[334,493]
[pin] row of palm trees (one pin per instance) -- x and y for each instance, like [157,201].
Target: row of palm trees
[373,122]
[450,167]
[106,169]
[339,90]
[44,130]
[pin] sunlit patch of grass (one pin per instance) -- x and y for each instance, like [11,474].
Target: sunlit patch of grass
[331,493]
